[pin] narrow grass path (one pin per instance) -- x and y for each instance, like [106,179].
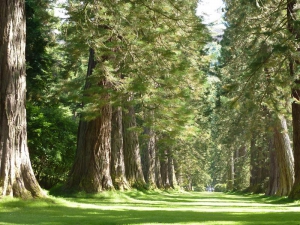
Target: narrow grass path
[135,207]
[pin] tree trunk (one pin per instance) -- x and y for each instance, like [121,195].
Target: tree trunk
[258,167]
[284,156]
[230,172]
[158,177]
[164,171]
[117,151]
[274,172]
[149,158]
[91,169]
[240,175]
[171,171]
[133,166]
[16,174]
[295,193]
[178,172]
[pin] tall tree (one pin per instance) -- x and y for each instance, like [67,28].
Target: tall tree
[16,174]
[284,156]
[117,151]
[152,61]
[132,155]
[259,55]
[91,169]
[292,20]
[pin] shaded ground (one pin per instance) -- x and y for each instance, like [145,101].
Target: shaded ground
[135,207]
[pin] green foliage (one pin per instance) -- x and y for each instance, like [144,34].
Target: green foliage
[220,188]
[51,143]
[50,123]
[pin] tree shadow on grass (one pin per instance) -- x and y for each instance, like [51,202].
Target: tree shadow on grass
[53,214]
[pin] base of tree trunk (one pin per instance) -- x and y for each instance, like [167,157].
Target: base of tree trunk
[295,193]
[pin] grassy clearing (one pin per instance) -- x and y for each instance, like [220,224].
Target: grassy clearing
[153,207]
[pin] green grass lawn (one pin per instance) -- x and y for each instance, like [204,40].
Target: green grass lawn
[153,207]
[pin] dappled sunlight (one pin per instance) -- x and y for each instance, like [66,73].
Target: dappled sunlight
[139,208]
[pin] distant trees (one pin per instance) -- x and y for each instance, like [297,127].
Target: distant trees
[150,65]
[259,60]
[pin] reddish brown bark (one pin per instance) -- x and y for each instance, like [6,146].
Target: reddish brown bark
[91,169]
[117,151]
[16,175]
[132,156]
[295,193]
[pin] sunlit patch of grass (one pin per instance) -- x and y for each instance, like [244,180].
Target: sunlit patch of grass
[150,207]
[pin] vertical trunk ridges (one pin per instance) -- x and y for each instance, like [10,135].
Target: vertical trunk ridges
[16,174]
[295,193]
[284,156]
[149,153]
[91,169]
[133,166]
[117,151]
[171,171]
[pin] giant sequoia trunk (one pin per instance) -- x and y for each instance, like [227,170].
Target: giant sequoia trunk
[171,171]
[295,193]
[158,177]
[16,175]
[91,169]
[117,151]
[258,166]
[240,173]
[149,157]
[284,157]
[274,173]
[132,156]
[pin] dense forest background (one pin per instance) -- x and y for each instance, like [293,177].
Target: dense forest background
[141,94]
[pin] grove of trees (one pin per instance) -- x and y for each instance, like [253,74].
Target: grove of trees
[140,94]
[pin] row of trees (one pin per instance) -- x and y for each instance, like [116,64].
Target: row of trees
[136,106]
[259,74]
[129,94]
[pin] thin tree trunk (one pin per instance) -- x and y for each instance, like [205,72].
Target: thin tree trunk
[149,157]
[91,169]
[171,171]
[284,156]
[258,167]
[178,172]
[158,177]
[133,166]
[16,174]
[230,172]
[239,170]
[274,172]
[164,171]
[117,151]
